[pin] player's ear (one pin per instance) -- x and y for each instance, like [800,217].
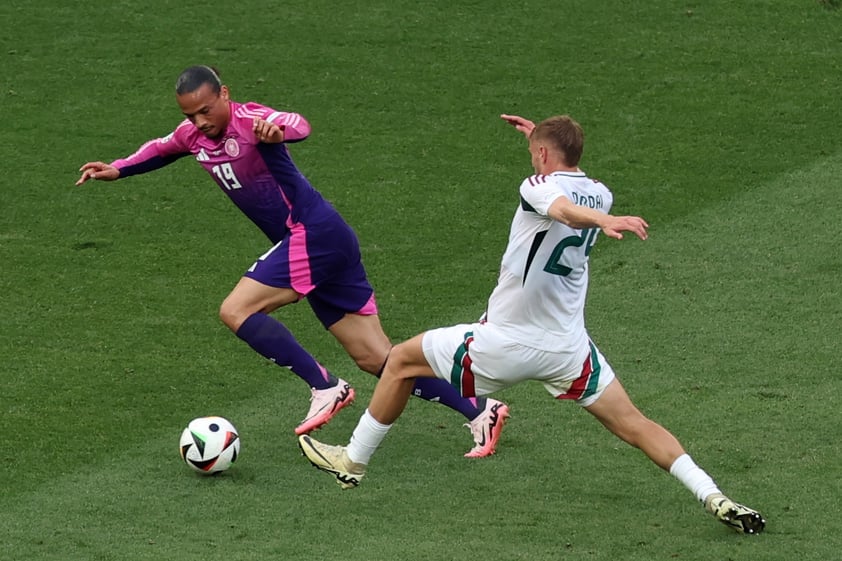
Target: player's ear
[223,92]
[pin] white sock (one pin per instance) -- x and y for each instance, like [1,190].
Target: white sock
[694,478]
[366,438]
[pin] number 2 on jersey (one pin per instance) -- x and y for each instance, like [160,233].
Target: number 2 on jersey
[554,266]
[225,174]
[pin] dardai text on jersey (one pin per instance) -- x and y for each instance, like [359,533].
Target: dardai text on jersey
[593,201]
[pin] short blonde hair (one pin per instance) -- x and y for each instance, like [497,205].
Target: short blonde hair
[564,135]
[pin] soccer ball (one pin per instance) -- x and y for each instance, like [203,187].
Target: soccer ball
[210,444]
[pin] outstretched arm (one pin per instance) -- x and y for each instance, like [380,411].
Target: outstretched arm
[523,125]
[152,155]
[576,216]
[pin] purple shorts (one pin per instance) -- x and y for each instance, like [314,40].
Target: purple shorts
[321,262]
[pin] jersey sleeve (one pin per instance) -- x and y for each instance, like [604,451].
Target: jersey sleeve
[296,127]
[538,193]
[153,155]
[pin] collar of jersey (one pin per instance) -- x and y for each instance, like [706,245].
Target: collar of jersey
[569,173]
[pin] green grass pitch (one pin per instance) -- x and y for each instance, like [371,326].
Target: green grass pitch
[718,121]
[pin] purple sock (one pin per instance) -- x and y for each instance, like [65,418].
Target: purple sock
[272,339]
[434,389]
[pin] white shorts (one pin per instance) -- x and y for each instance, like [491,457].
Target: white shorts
[478,359]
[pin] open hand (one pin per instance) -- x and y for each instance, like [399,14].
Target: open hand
[523,125]
[98,170]
[615,225]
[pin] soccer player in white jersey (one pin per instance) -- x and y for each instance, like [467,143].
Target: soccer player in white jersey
[315,254]
[534,328]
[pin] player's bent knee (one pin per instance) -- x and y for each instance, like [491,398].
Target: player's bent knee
[398,357]
[406,361]
[232,316]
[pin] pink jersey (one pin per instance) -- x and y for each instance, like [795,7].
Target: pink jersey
[232,160]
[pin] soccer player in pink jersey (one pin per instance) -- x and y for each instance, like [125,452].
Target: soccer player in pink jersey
[316,254]
[534,327]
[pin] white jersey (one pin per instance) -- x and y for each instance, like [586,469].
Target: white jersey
[540,295]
